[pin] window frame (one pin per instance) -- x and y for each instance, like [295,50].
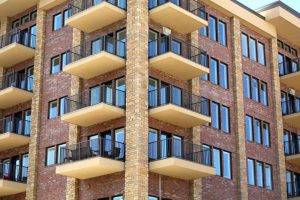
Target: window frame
[49,108]
[54,21]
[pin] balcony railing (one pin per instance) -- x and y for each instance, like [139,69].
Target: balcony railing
[15,125]
[18,80]
[78,6]
[192,6]
[99,147]
[105,43]
[167,44]
[290,107]
[178,148]
[179,97]
[288,67]
[18,36]
[292,147]
[292,189]
[104,94]
[13,172]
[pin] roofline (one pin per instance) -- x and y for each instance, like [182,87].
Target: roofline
[249,9]
[281,4]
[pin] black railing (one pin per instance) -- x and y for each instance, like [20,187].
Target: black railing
[178,97]
[101,94]
[18,36]
[18,80]
[192,6]
[289,66]
[105,43]
[292,147]
[292,189]
[178,148]
[13,172]
[167,44]
[15,125]
[99,147]
[290,107]
[77,6]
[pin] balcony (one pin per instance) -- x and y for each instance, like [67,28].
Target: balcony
[15,132]
[96,57]
[13,179]
[91,15]
[292,151]
[180,159]
[183,18]
[177,58]
[91,107]
[16,88]
[289,72]
[48,4]
[293,191]
[178,107]
[9,8]
[15,47]
[291,112]
[92,158]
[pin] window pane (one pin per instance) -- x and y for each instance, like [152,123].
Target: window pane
[250,171]
[215,115]
[246,84]
[67,14]
[50,156]
[62,105]
[95,95]
[222,33]
[176,47]
[263,93]
[257,131]
[120,92]
[245,45]
[254,85]
[213,74]
[152,46]
[217,161]
[225,119]
[65,59]
[248,127]
[259,174]
[61,153]
[118,198]
[266,134]
[252,49]
[226,165]
[223,75]
[55,65]
[280,59]
[268,177]
[203,31]
[57,21]
[53,110]
[176,92]
[261,53]
[212,28]
[152,198]
[96,46]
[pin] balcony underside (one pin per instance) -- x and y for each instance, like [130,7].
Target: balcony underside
[48,4]
[178,116]
[176,18]
[95,65]
[13,96]
[179,168]
[294,159]
[291,80]
[11,187]
[178,66]
[12,140]
[9,8]
[90,168]
[293,120]
[93,115]
[96,17]
[14,53]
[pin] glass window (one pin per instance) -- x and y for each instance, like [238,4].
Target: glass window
[176,47]
[53,109]
[153,93]
[245,45]
[250,172]
[67,14]
[65,59]
[217,161]
[96,46]
[252,49]
[176,95]
[248,127]
[63,105]
[268,177]
[152,49]
[121,43]
[152,198]
[263,93]
[50,156]
[120,92]
[222,33]
[246,85]
[266,134]
[213,74]
[55,65]
[257,131]
[153,145]
[223,76]
[215,123]
[259,174]
[27,122]
[33,15]
[225,119]
[25,19]
[226,164]
[25,165]
[118,198]
[255,92]
[61,153]
[95,95]
[212,24]
[203,31]
[57,21]
[281,64]
[261,53]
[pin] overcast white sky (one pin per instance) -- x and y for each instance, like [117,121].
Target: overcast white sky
[254,4]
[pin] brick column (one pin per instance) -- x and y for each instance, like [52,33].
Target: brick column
[278,124]
[136,164]
[74,130]
[36,106]
[237,73]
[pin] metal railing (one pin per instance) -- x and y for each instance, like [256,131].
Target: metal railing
[18,80]
[178,97]
[290,106]
[99,147]
[170,44]
[18,36]
[104,94]
[77,6]
[292,189]
[288,67]
[13,172]
[291,147]
[192,6]
[15,125]
[173,147]
[105,43]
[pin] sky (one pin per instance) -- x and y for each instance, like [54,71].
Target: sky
[254,4]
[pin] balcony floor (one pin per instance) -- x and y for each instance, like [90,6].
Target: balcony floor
[292,119]
[12,140]
[11,187]
[294,159]
[12,96]
[291,80]
[9,8]
[48,4]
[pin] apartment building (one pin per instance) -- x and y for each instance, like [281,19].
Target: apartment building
[147,99]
